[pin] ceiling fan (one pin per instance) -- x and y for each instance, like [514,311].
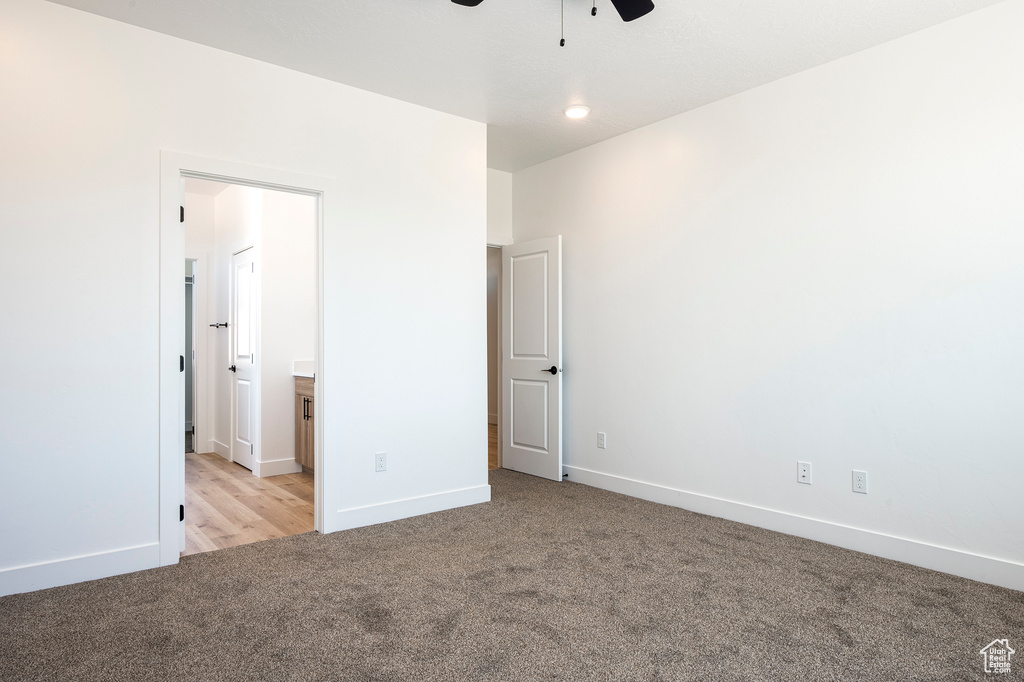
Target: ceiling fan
[627,9]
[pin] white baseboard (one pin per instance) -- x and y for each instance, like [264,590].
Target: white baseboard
[42,575]
[958,562]
[276,467]
[221,449]
[356,517]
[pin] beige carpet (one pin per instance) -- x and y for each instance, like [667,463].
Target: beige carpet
[549,581]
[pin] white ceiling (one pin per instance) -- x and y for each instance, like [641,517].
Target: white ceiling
[500,62]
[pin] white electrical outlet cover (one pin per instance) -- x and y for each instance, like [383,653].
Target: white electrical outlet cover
[803,473]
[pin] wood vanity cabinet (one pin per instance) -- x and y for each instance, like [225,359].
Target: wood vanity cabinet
[305,441]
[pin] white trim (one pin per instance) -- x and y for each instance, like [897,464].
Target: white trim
[501,355]
[276,467]
[319,469]
[221,449]
[203,420]
[192,285]
[45,574]
[173,168]
[935,557]
[383,512]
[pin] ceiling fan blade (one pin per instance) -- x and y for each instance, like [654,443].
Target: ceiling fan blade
[632,9]
[627,9]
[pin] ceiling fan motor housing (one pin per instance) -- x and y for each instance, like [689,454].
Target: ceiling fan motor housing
[627,9]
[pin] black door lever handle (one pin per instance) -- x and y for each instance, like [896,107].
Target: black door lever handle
[553,370]
[233,368]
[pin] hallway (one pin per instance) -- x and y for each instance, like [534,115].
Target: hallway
[226,506]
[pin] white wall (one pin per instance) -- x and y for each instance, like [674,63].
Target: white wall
[86,105]
[200,214]
[288,309]
[827,268]
[499,207]
[499,233]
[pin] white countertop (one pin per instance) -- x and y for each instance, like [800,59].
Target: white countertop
[304,368]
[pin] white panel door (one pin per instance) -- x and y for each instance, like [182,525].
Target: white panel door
[243,357]
[532,357]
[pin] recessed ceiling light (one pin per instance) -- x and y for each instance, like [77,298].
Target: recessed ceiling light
[577,111]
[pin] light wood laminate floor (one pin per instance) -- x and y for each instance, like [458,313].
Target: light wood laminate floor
[226,506]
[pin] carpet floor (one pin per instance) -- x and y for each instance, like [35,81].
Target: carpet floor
[549,581]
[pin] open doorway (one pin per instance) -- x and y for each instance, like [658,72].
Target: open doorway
[175,168]
[251,271]
[493,356]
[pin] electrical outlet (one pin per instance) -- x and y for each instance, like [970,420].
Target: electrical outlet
[803,472]
[602,440]
[382,461]
[860,481]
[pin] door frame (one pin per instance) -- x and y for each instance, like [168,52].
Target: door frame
[190,360]
[501,340]
[200,419]
[174,167]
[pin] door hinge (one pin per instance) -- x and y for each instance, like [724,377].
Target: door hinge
[193,430]
[182,364]
[251,451]
[181,512]
[182,214]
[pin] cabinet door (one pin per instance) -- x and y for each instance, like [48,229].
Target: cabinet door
[300,430]
[310,436]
